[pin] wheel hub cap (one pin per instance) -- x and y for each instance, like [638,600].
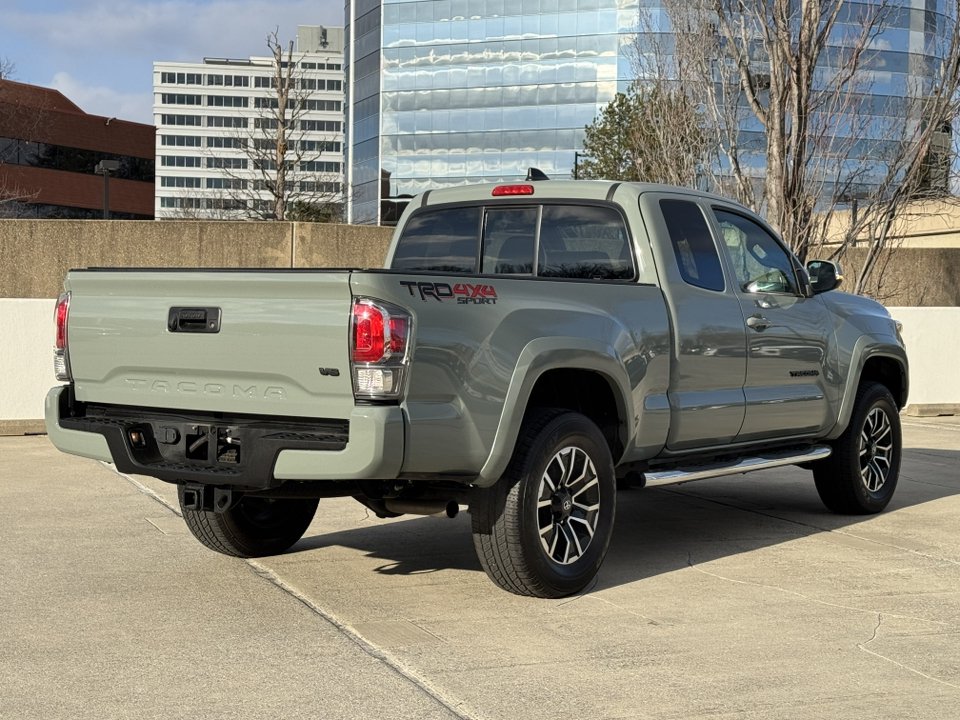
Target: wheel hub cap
[876,450]
[568,505]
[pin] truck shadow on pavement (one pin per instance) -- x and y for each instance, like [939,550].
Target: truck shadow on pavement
[667,528]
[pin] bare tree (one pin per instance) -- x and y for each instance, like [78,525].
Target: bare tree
[786,88]
[284,173]
[8,68]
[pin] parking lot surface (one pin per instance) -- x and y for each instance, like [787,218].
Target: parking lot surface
[726,598]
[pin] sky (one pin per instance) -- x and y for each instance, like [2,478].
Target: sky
[101,54]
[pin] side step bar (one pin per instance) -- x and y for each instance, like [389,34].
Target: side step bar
[737,465]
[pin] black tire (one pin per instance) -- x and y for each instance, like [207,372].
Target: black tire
[861,475]
[254,527]
[508,517]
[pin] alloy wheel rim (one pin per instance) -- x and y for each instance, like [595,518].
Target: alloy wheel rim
[568,505]
[876,450]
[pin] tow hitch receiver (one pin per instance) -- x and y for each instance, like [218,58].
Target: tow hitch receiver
[207,498]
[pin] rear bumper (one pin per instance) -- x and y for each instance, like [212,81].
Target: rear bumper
[244,452]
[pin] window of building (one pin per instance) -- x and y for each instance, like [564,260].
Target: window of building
[321,125]
[181,182]
[323,105]
[693,245]
[226,142]
[264,81]
[265,123]
[226,122]
[218,183]
[179,99]
[75,160]
[229,80]
[272,103]
[308,83]
[179,161]
[320,166]
[319,187]
[308,66]
[227,163]
[180,140]
[320,146]
[181,203]
[226,101]
[334,66]
[180,120]
[175,78]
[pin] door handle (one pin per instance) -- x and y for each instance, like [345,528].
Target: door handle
[758,322]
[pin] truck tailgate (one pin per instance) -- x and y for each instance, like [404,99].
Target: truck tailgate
[281,346]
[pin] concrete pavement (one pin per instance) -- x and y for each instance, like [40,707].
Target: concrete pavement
[725,598]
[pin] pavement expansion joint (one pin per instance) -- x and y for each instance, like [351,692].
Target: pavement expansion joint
[378,653]
[145,490]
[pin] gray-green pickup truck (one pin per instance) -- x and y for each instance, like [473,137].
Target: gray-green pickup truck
[527,348]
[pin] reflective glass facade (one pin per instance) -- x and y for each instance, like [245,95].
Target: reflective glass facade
[451,92]
[475,90]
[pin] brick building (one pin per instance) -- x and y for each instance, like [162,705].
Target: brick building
[49,148]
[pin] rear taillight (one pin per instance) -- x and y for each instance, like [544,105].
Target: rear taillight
[379,342]
[61,357]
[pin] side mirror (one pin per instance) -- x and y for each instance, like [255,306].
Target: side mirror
[824,275]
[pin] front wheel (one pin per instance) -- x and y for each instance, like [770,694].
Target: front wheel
[254,527]
[859,478]
[544,528]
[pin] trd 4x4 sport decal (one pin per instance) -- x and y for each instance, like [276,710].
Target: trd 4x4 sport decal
[463,293]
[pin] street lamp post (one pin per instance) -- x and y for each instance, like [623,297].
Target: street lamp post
[576,163]
[105,167]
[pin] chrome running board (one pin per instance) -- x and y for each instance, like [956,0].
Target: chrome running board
[738,465]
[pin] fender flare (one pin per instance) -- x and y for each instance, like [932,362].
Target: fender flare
[538,357]
[868,347]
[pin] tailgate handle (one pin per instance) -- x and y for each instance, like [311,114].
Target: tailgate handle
[194,319]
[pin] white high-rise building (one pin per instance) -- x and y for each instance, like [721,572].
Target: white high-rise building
[210,116]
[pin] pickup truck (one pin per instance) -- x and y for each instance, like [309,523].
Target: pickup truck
[528,348]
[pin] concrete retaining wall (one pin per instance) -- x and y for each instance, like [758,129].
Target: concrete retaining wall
[932,336]
[36,254]
[26,361]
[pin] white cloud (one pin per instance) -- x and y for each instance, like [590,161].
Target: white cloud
[173,30]
[99,100]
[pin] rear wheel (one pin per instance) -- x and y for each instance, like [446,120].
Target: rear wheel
[860,477]
[254,527]
[544,528]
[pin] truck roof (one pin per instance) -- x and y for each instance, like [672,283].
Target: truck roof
[554,189]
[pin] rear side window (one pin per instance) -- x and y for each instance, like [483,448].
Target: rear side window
[583,241]
[692,244]
[440,241]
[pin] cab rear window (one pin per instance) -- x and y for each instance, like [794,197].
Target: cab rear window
[440,241]
[585,242]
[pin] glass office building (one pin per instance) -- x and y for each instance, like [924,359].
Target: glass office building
[450,92]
